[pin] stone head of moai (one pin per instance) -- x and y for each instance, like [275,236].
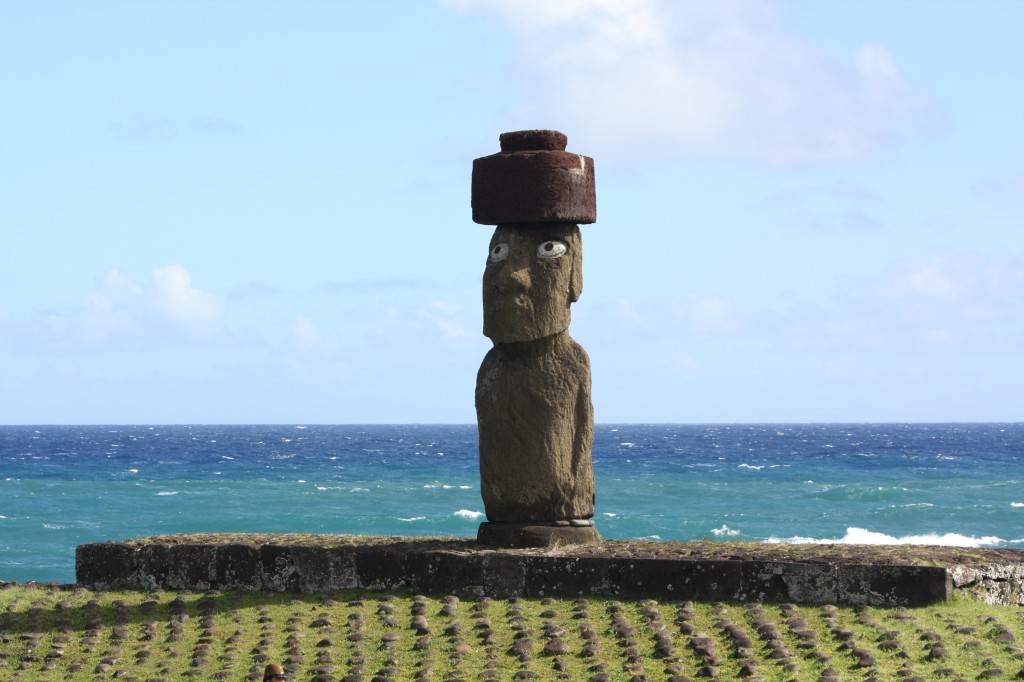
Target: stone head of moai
[533,389]
[533,274]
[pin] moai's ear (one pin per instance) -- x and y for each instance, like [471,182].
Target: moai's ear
[576,272]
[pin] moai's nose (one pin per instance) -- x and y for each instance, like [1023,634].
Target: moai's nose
[513,281]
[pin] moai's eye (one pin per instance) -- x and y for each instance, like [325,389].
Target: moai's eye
[552,249]
[498,252]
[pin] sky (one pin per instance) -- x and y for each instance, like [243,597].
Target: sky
[259,212]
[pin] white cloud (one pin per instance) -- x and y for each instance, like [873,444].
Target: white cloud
[178,299]
[634,79]
[446,317]
[952,300]
[122,313]
[307,335]
[117,284]
[954,281]
[708,314]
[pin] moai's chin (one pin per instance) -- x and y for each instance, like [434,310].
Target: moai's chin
[505,333]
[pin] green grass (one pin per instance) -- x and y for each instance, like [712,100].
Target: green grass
[48,633]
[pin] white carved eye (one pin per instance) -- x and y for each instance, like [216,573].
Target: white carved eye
[552,249]
[498,252]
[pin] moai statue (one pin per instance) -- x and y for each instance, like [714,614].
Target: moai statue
[533,389]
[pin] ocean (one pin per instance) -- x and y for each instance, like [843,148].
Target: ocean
[61,486]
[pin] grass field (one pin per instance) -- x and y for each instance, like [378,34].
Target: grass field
[51,633]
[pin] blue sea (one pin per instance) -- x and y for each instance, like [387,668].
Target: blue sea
[949,484]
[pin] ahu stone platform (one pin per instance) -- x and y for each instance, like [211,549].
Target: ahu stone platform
[628,569]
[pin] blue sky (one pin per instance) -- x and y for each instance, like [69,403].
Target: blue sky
[258,212]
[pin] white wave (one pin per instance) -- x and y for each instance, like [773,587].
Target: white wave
[359,490]
[300,481]
[1017,504]
[133,471]
[228,457]
[610,515]
[2,516]
[465,487]
[750,466]
[167,492]
[725,531]
[413,518]
[467,514]
[861,536]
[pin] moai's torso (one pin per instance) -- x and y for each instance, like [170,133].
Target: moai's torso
[536,431]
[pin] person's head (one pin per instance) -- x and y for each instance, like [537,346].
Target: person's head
[534,271]
[274,672]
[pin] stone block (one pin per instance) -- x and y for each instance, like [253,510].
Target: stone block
[535,535]
[381,568]
[239,567]
[445,572]
[277,569]
[325,569]
[104,566]
[504,575]
[152,564]
[569,577]
[775,581]
[191,567]
[680,579]
[893,585]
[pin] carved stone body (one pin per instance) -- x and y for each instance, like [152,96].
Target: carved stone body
[536,431]
[533,404]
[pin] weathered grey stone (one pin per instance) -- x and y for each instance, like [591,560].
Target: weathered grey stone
[570,576]
[107,565]
[277,569]
[533,388]
[533,273]
[191,566]
[715,580]
[323,570]
[444,572]
[462,566]
[894,585]
[504,576]
[777,581]
[533,404]
[382,568]
[238,567]
[529,534]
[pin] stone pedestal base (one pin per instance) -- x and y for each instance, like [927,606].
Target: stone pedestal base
[536,534]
